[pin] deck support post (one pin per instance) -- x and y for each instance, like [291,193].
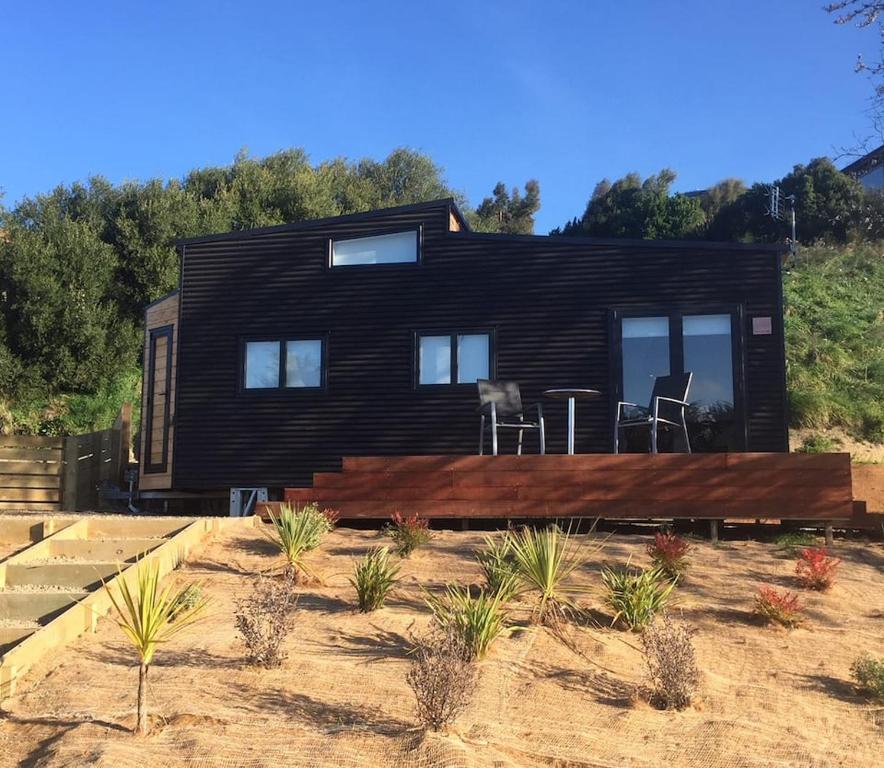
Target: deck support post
[464,524]
[713,531]
[830,535]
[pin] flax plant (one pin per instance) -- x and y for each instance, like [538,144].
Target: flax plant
[295,532]
[545,560]
[373,578]
[499,567]
[150,616]
[477,621]
[636,595]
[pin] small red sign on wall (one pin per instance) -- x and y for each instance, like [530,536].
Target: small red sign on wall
[762,326]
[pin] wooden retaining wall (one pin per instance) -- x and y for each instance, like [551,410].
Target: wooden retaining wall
[630,486]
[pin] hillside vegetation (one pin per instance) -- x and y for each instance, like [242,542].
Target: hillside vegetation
[835,338]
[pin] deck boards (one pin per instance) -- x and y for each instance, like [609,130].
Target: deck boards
[714,486]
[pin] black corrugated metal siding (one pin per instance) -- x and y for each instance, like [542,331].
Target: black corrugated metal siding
[548,300]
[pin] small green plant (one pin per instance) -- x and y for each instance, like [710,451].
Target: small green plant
[189,598]
[499,567]
[782,608]
[295,532]
[793,542]
[544,561]
[373,578]
[636,595]
[476,620]
[145,614]
[442,677]
[868,673]
[408,532]
[669,553]
[671,663]
[818,443]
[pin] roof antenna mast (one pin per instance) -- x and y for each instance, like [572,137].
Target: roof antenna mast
[776,209]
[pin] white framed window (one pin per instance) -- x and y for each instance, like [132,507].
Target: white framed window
[453,358]
[393,248]
[289,364]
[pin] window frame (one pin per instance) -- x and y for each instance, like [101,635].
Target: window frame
[452,340]
[283,354]
[418,230]
[675,313]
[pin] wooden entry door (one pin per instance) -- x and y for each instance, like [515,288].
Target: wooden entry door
[159,384]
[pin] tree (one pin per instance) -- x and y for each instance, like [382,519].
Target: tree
[827,204]
[508,211]
[637,209]
[150,616]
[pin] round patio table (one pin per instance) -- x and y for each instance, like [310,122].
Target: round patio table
[571,394]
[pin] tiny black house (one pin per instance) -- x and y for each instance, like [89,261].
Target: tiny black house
[289,347]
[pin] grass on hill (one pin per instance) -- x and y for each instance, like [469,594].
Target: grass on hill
[835,338]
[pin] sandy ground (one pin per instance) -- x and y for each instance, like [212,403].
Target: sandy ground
[768,697]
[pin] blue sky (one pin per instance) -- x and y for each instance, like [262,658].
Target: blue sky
[566,92]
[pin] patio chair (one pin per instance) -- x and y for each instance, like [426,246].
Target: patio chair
[500,406]
[666,410]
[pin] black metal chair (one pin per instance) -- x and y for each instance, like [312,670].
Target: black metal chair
[500,405]
[666,410]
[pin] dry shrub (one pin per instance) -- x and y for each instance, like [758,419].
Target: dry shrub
[778,607]
[442,677]
[265,618]
[672,664]
[816,569]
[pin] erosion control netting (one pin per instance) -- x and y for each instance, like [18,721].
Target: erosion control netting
[767,698]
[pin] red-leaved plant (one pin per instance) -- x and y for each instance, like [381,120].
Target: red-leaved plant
[332,515]
[816,569]
[408,533]
[778,607]
[669,553]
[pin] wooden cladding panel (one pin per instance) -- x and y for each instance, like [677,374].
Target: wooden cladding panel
[799,486]
[162,313]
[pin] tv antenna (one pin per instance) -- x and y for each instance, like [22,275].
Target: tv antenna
[776,209]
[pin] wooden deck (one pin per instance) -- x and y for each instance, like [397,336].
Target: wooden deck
[745,486]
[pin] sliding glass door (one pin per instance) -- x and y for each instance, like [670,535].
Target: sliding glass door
[707,345]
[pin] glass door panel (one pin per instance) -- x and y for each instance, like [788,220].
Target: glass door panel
[645,356]
[708,354]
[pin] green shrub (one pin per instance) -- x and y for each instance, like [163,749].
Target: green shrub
[544,561]
[868,673]
[476,620]
[187,600]
[818,443]
[499,567]
[636,595]
[793,542]
[373,578]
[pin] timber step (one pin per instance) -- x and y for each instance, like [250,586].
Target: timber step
[634,486]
